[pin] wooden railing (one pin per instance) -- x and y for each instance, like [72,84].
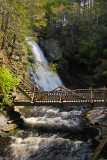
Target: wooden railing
[63,95]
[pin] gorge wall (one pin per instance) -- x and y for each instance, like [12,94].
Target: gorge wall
[73,73]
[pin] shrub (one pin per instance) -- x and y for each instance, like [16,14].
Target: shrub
[8,82]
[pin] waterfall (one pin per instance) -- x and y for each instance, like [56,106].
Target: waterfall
[49,133]
[44,78]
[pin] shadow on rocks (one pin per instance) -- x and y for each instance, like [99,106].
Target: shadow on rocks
[15,117]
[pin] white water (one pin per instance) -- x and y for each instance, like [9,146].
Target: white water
[44,78]
[53,118]
[32,145]
[51,148]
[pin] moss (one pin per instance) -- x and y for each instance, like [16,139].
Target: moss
[13,130]
[9,132]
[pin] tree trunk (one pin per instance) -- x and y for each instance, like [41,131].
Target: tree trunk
[84,5]
[13,46]
[5,34]
[0,16]
[0,11]
[2,22]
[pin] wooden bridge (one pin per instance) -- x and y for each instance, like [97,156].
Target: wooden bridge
[59,96]
[66,97]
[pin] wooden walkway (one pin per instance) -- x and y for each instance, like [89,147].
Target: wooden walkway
[64,96]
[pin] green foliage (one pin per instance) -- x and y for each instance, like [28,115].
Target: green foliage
[55,11]
[36,13]
[105,72]
[3,109]
[23,18]
[8,82]
[105,53]
[80,29]
[52,67]
[84,37]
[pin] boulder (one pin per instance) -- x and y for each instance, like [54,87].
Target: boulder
[51,48]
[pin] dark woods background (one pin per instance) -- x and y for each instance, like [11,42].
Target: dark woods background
[79,26]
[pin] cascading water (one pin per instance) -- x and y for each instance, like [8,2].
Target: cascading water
[44,78]
[50,133]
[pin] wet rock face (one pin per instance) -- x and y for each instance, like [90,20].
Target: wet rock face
[51,48]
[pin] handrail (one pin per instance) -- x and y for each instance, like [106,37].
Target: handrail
[45,93]
[92,95]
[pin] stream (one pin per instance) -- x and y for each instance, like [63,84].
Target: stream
[49,133]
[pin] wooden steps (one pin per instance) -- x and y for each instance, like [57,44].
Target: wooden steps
[26,91]
[26,86]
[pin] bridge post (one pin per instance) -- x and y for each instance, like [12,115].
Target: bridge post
[60,94]
[91,95]
[105,97]
[34,94]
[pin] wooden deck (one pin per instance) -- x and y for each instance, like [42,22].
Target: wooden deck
[85,104]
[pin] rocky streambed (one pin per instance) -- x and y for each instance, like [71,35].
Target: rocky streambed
[70,133]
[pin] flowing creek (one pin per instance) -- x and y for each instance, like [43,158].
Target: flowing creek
[48,133]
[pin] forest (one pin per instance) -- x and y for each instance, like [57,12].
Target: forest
[64,118]
[79,26]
